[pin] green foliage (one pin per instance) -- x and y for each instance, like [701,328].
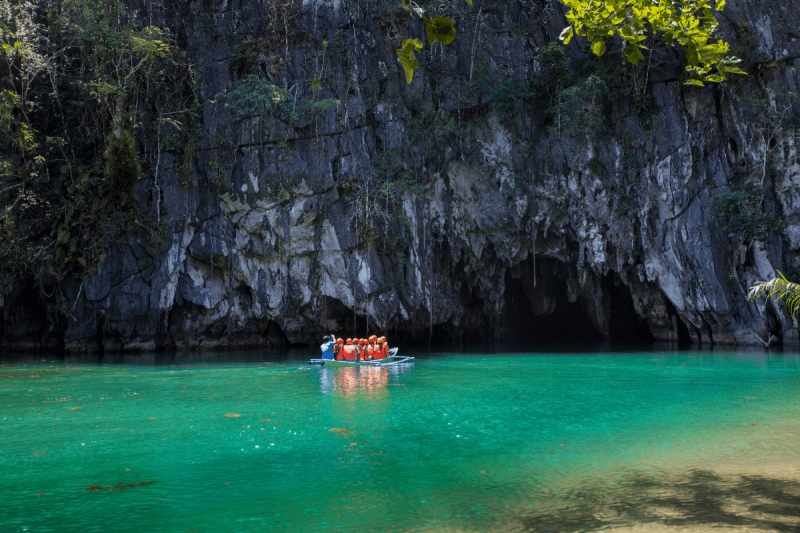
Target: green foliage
[542,92]
[580,106]
[255,96]
[552,77]
[503,100]
[78,83]
[587,103]
[688,23]
[740,211]
[186,166]
[121,164]
[323,106]
[408,59]
[243,57]
[785,293]
[553,71]
[440,29]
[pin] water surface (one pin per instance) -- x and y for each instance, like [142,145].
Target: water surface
[454,442]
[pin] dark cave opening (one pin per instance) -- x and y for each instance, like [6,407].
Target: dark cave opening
[542,312]
[537,309]
[625,326]
[27,325]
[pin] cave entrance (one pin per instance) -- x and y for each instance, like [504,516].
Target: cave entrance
[625,326]
[31,322]
[537,308]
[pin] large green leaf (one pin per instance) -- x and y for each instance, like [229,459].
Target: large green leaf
[408,60]
[632,53]
[599,47]
[440,30]
[566,34]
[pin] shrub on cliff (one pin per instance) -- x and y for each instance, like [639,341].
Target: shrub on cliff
[80,87]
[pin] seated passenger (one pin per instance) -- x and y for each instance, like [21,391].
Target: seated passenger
[371,341]
[386,351]
[327,347]
[370,349]
[364,352]
[377,350]
[337,348]
[349,351]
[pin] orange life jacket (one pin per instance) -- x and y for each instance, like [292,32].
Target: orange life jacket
[349,352]
[386,349]
[375,351]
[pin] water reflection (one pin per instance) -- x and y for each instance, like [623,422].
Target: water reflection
[366,379]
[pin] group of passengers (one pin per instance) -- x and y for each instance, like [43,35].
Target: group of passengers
[354,349]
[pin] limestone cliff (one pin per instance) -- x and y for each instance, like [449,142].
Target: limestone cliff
[422,210]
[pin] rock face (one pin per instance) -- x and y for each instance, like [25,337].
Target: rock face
[504,228]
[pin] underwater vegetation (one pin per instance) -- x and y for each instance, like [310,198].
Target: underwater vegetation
[118,486]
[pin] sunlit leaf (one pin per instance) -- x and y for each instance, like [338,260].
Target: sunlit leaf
[407,57]
[599,47]
[440,30]
[567,34]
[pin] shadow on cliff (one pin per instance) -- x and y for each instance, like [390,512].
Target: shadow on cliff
[698,501]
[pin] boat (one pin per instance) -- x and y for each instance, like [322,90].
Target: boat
[393,359]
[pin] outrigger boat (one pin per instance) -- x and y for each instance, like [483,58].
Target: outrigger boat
[393,359]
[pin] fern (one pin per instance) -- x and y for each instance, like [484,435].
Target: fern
[785,293]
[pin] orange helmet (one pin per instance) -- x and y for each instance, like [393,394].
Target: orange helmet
[339,341]
[383,339]
[363,341]
[349,342]
[373,338]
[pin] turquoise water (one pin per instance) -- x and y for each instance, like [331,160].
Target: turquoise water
[501,442]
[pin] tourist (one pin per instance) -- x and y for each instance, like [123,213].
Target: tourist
[349,351]
[386,352]
[337,348]
[371,348]
[327,347]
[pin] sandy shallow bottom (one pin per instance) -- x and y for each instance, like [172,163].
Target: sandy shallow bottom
[736,491]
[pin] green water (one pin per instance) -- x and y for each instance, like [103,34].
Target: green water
[505,442]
